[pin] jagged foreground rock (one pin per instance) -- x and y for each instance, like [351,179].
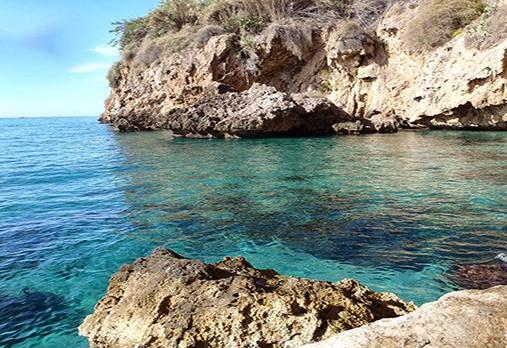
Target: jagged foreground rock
[374,77]
[465,319]
[166,300]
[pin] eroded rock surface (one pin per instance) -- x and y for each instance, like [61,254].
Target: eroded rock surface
[166,300]
[465,319]
[374,77]
[259,111]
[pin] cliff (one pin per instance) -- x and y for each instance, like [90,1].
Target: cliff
[406,64]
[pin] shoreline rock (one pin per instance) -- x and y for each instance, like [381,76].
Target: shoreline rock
[166,300]
[261,111]
[463,319]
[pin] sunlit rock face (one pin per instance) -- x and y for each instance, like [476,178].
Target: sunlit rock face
[373,76]
[260,111]
[453,87]
[472,319]
[166,300]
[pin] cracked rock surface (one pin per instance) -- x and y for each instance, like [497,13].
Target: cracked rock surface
[463,319]
[166,300]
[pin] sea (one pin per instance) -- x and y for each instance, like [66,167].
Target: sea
[397,212]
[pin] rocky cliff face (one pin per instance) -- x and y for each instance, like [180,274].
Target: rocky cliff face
[452,87]
[373,77]
[166,300]
[471,319]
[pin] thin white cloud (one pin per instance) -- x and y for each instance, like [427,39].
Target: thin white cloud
[89,67]
[106,50]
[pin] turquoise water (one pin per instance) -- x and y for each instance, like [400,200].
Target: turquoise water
[393,211]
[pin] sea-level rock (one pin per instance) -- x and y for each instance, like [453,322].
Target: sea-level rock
[259,111]
[166,300]
[374,76]
[465,319]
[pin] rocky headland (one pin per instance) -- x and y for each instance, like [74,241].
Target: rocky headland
[166,300]
[248,68]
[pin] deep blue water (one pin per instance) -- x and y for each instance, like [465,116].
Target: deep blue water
[393,211]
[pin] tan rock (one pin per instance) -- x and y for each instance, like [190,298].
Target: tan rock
[454,86]
[371,76]
[166,300]
[465,319]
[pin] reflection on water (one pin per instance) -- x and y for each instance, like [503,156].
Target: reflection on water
[398,212]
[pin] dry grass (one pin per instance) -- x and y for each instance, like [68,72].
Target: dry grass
[491,31]
[204,34]
[295,37]
[177,24]
[243,16]
[438,20]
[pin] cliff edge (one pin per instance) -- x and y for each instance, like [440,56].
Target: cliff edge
[383,64]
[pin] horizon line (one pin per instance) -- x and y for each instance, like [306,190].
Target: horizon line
[51,116]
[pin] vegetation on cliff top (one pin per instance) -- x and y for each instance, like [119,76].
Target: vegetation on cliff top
[439,20]
[177,24]
[211,17]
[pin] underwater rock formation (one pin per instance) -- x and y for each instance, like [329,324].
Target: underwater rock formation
[479,276]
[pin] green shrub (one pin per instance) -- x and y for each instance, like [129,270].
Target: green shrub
[173,15]
[130,31]
[438,20]
[114,75]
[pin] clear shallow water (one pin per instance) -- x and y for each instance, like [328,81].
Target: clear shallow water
[393,211]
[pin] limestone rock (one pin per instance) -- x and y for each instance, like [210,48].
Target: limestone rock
[166,300]
[258,112]
[451,87]
[371,75]
[349,128]
[465,319]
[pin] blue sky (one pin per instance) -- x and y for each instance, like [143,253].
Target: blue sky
[55,55]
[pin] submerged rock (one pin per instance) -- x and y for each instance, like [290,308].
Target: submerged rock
[166,300]
[471,319]
[479,276]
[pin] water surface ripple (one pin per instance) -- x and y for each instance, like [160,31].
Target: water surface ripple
[393,211]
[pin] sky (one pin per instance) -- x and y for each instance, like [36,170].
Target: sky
[55,54]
